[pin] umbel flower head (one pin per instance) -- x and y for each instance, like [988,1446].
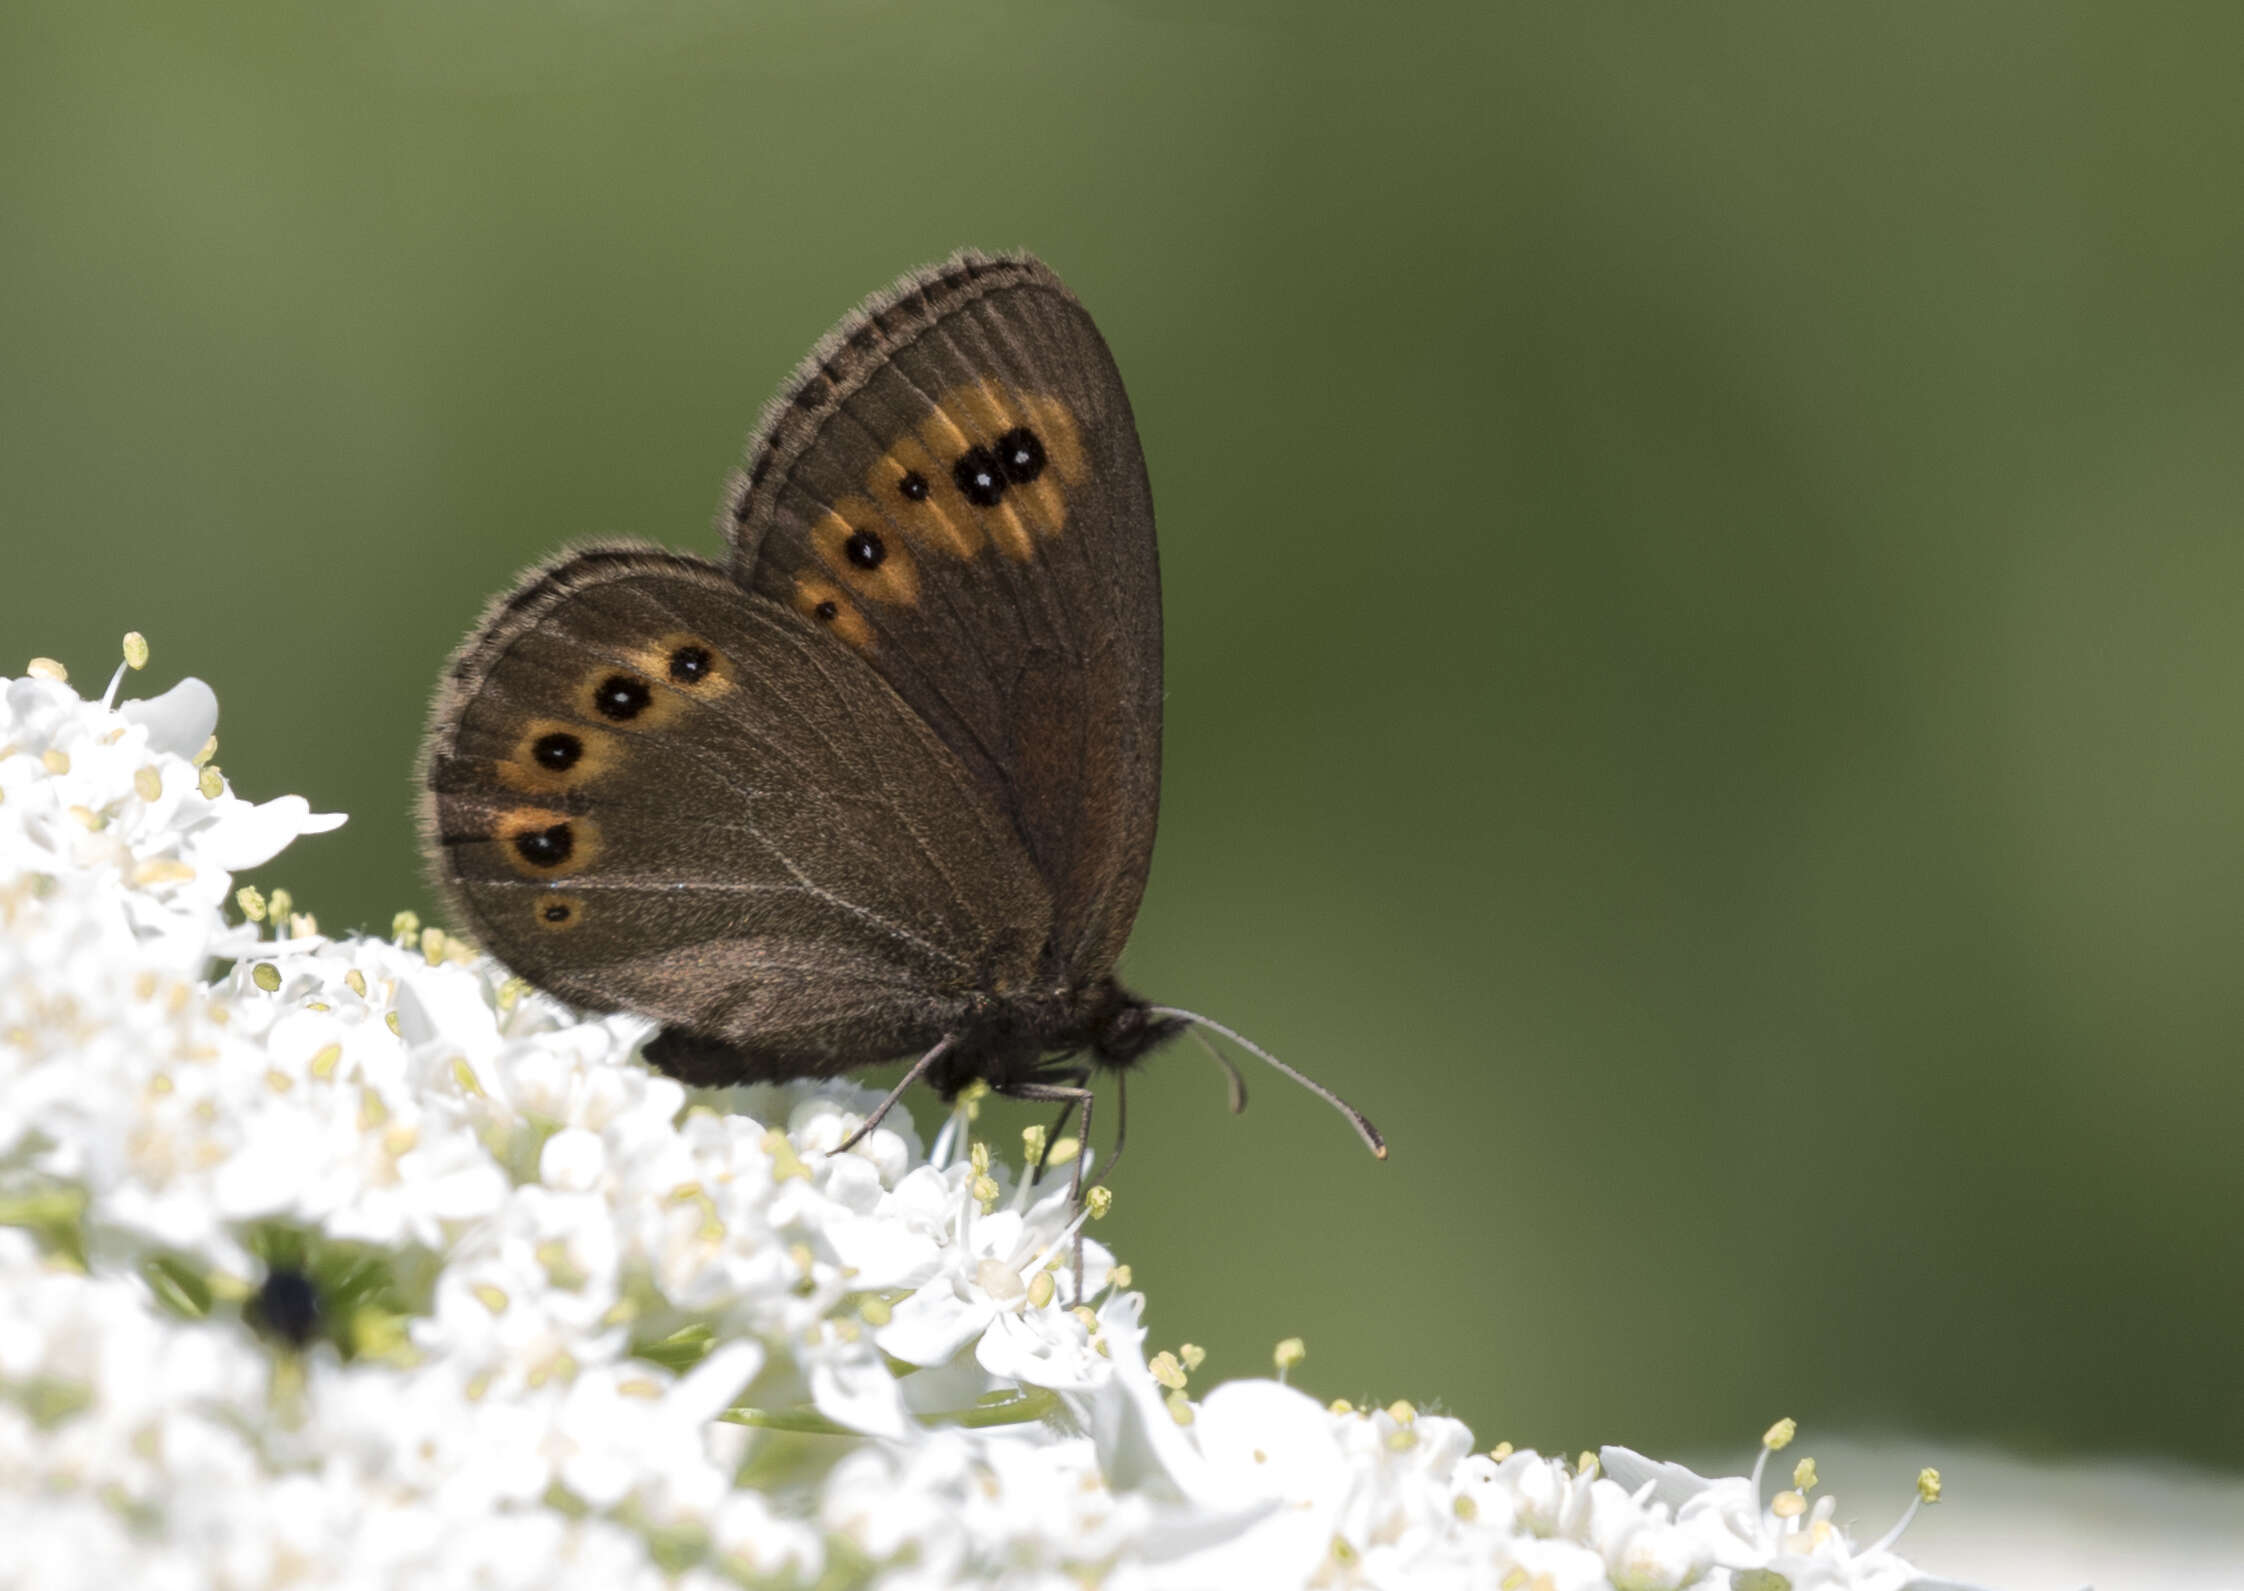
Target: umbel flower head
[353,1262]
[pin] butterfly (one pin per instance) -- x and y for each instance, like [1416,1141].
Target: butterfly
[884,782]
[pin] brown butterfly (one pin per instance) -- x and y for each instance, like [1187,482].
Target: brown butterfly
[883,785]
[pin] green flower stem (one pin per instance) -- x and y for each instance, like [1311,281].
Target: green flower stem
[1024,1407]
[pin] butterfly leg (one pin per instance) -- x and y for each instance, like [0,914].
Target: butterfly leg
[919,1070]
[1059,1125]
[1071,1094]
[1121,1128]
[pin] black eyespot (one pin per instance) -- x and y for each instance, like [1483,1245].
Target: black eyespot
[827,610]
[621,698]
[557,912]
[546,847]
[865,549]
[558,751]
[1021,453]
[979,476]
[690,665]
[913,486]
[285,1306]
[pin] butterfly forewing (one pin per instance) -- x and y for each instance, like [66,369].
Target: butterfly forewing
[651,789]
[952,490]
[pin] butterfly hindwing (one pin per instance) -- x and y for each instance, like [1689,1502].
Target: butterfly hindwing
[952,490]
[647,788]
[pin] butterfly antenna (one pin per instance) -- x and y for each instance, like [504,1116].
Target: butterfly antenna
[1356,1118]
[1230,1069]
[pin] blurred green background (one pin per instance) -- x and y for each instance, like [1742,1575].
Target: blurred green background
[1703,584]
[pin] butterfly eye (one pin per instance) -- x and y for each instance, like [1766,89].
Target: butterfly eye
[690,665]
[559,751]
[1021,453]
[981,479]
[865,549]
[620,698]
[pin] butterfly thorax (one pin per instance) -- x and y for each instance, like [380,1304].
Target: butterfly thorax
[1012,1040]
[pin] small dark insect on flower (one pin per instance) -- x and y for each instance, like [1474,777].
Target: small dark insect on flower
[286,1307]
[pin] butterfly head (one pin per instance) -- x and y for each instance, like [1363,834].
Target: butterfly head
[1128,1029]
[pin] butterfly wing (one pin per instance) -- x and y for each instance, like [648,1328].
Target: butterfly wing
[952,488]
[649,789]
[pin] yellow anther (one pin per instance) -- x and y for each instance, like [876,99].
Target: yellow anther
[405,928]
[1803,1474]
[266,976]
[280,905]
[432,946]
[1064,1151]
[464,1078]
[848,1330]
[1586,1466]
[479,1386]
[1088,1316]
[1340,1406]
[47,668]
[1288,1354]
[1464,1508]
[162,870]
[1040,1289]
[1500,1452]
[785,1162]
[355,981]
[978,1156]
[205,752]
[400,1138]
[1122,1276]
[874,1310]
[1779,1436]
[87,818]
[136,650]
[1402,1412]
[491,1296]
[1788,1505]
[1344,1554]
[1401,1440]
[251,900]
[55,762]
[1167,1371]
[372,1113]
[1180,1408]
[278,1081]
[1032,1142]
[211,783]
[1928,1485]
[389,1020]
[148,784]
[800,1253]
[302,925]
[985,1191]
[1098,1201]
[511,993]
[1193,1355]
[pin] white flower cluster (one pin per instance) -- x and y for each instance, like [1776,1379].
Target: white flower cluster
[352,1262]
